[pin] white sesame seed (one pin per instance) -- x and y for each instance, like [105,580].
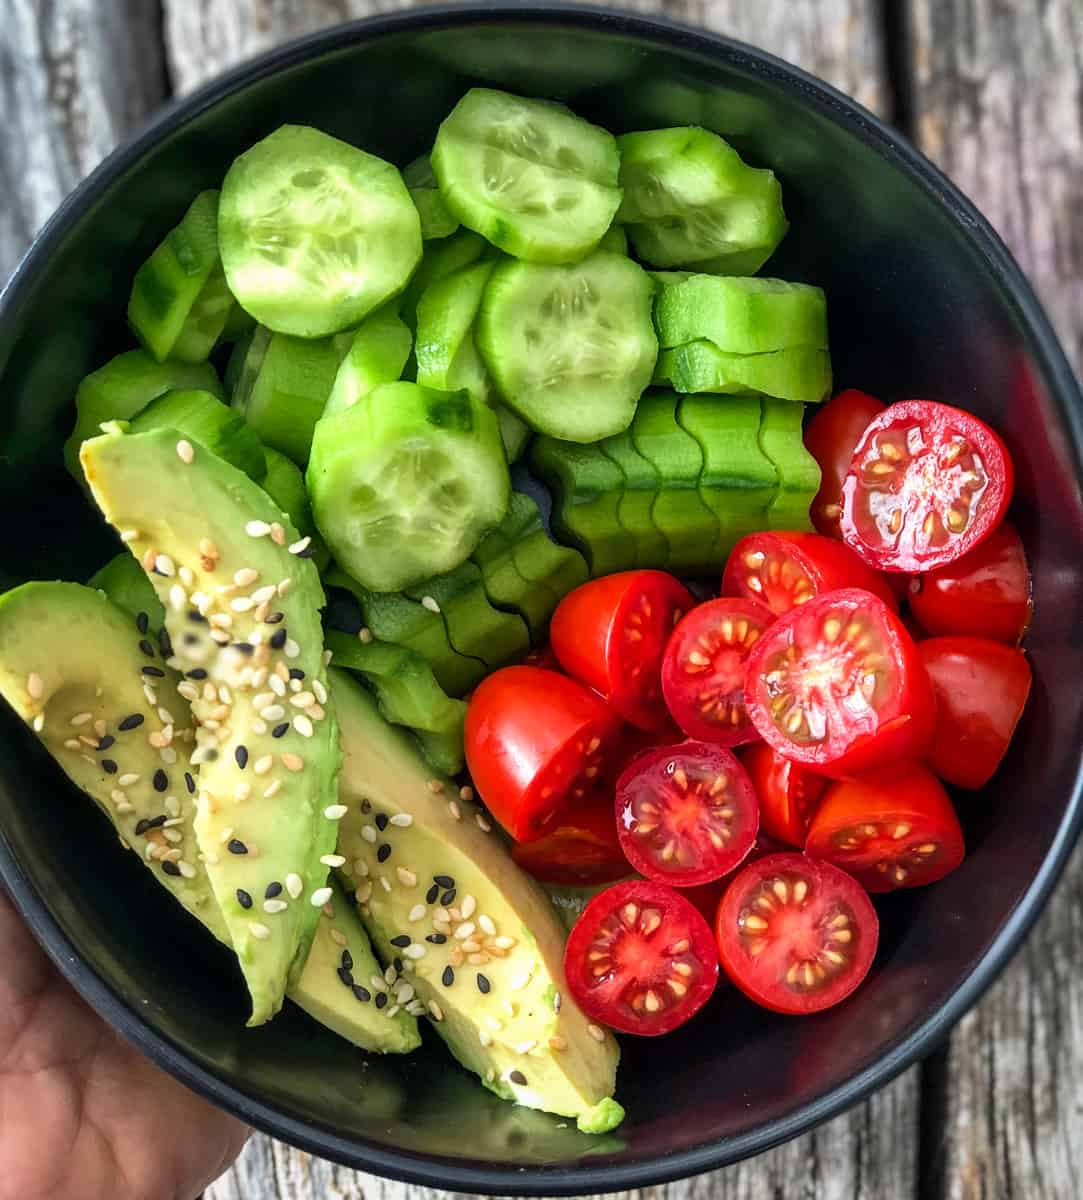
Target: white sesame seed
[38,723]
[292,650]
[485,1038]
[188,690]
[177,597]
[295,686]
[436,1011]
[221,621]
[406,878]
[173,835]
[303,700]
[429,603]
[364,634]
[390,975]
[117,796]
[487,925]
[187,870]
[35,685]
[262,765]
[272,789]
[416,913]
[465,930]
[210,858]
[303,725]
[455,810]
[242,604]
[275,906]
[338,937]
[202,601]
[81,719]
[150,694]
[72,744]
[335,812]
[393,1011]
[363,893]
[301,546]
[320,897]
[128,778]
[164,565]
[361,868]
[415,951]
[276,685]
[483,824]
[245,577]
[294,885]
[385,883]
[525,1047]
[436,786]
[402,820]
[278,534]
[468,906]
[187,577]
[165,716]
[404,993]
[320,690]
[368,832]
[129,535]
[241,792]
[259,931]
[333,860]
[283,587]
[257,529]
[185,452]
[378,983]
[272,712]
[518,982]
[327,656]
[596,1032]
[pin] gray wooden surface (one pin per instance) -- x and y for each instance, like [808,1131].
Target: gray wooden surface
[991,90]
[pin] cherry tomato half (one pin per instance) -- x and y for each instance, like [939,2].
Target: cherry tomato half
[981,689]
[686,814]
[831,438]
[641,959]
[784,570]
[890,830]
[534,741]
[795,935]
[927,483]
[788,793]
[986,593]
[703,671]
[610,633]
[580,849]
[838,686]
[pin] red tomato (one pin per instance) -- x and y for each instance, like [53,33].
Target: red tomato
[686,814]
[986,593]
[610,633]
[784,570]
[787,792]
[534,740]
[837,685]
[641,959]
[927,483]
[981,689]
[581,849]
[703,671]
[831,437]
[890,830]
[795,935]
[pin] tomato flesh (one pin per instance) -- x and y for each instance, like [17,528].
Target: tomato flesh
[927,483]
[686,814]
[703,671]
[611,633]
[641,959]
[986,593]
[534,742]
[893,829]
[831,437]
[787,792]
[786,569]
[981,690]
[837,685]
[795,935]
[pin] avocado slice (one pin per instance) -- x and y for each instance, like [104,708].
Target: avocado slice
[242,610]
[47,695]
[477,939]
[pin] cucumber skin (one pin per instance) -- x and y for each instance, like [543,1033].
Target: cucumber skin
[205,420]
[798,472]
[801,374]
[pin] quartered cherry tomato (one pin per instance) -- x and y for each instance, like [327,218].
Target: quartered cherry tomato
[641,959]
[837,685]
[686,814]
[580,848]
[795,935]
[786,569]
[893,829]
[981,689]
[986,593]
[788,793]
[927,483]
[831,438]
[535,740]
[611,633]
[703,671]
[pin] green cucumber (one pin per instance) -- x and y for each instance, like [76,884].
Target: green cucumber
[782,441]
[436,218]
[642,484]
[615,240]
[285,484]
[378,353]
[515,433]
[571,348]
[443,751]
[445,347]
[798,373]
[689,197]
[440,259]
[205,420]
[125,582]
[528,175]
[239,324]
[314,233]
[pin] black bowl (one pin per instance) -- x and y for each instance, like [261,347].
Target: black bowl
[924,301]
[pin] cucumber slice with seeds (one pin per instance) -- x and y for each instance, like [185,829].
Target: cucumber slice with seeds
[314,233]
[437,220]
[571,348]
[377,355]
[528,175]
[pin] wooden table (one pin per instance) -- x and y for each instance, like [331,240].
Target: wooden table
[990,89]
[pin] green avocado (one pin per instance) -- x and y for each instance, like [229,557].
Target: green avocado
[478,942]
[99,758]
[242,611]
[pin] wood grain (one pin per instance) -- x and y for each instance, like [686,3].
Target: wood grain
[996,101]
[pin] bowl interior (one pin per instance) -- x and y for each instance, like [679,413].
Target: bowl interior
[918,307]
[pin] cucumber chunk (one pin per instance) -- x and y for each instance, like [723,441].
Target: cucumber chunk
[530,176]
[445,346]
[642,483]
[514,432]
[615,240]
[440,259]
[782,441]
[377,354]
[205,420]
[571,348]
[689,197]
[437,220]
[404,485]
[285,484]
[314,233]
[798,373]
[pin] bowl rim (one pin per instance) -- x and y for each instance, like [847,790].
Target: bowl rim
[584,1178]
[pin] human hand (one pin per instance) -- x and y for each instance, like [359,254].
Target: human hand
[83,1115]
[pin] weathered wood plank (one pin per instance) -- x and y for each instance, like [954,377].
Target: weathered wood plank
[996,104]
[75,77]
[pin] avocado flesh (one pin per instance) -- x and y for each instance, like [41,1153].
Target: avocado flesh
[261,815]
[525,1037]
[35,612]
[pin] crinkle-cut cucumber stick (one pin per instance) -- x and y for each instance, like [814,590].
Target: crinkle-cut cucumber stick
[204,420]
[571,348]
[180,300]
[798,373]
[642,483]
[782,441]
[437,220]
[530,176]
[378,354]
[404,484]
[741,316]
[314,233]
[689,197]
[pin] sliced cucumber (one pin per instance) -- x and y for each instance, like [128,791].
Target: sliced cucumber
[440,259]
[404,484]
[782,441]
[689,197]
[514,432]
[799,373]
[445,347]
[377,355]
[528,175]
[615,240]
[205,420]
[436,218]
[571,348]
[642,483]
[314,233]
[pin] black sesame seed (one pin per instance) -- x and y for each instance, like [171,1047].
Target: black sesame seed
[274,888]
[243,898]
[241,755]
[244,647]
[307,552]
[280,730]
[197,616]
[347,960]
[147,648]
[165,644]
[142,622]
[278,638]
[518,1077]
[362,993]
[141,827]
[155,672]
[191,639]
[383,852]
[366,806]
[132,722]
[402,941]
[432,895]
[236,846]
[109,766]
[437,939]
[189,783]
[381,999]
[397,964]
[448,897]
[106,742]
[381,821]
[161,780]
[448,977]
[148,823]
[170,868]
[484,986]
[196,673]
[296,673]
[445,881]
[346,976]
[274,618]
